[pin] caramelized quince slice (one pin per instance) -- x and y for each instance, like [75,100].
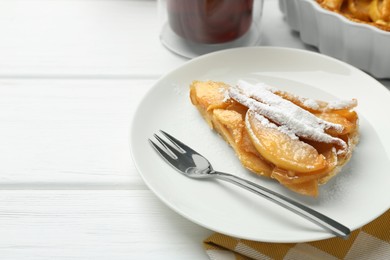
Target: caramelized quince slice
[290,177]
[231,124]
[281,149]
[350,115]
[208,96]
[336,118]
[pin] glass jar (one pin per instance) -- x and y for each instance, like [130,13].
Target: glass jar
[194,27]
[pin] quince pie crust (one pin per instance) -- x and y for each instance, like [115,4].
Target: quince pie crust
[300,142]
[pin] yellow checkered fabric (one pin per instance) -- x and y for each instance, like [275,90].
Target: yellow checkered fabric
[372,241]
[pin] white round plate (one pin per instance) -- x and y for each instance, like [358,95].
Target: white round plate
[358,195]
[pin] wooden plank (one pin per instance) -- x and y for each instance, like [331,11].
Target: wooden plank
[68,134]
[71,38]
[94,225]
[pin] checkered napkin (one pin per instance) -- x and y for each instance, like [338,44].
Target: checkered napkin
[372,241]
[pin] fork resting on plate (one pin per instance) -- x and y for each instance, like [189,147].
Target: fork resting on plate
[191,164]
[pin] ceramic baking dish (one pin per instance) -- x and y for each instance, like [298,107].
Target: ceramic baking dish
[361,45]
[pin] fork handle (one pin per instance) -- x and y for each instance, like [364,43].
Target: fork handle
[296,207]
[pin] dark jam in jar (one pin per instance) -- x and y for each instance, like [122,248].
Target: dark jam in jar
[210,21]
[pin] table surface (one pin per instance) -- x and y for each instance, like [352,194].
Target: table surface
[71,76]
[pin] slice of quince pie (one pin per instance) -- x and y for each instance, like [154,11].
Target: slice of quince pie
[298,141]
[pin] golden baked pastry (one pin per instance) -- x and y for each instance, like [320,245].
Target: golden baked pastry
[300,142]
[374,12]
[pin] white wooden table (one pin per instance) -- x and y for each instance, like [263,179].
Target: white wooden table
[71,76]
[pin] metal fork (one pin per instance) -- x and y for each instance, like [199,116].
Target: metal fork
[193,165]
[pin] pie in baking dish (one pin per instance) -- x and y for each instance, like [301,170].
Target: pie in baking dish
[374,12]
[300,142]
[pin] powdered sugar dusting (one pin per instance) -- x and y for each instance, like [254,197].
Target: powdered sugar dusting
[316,105]
[290,117]
[265,122]
[342,104]
[310,103]
[261,93]
[225,93]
